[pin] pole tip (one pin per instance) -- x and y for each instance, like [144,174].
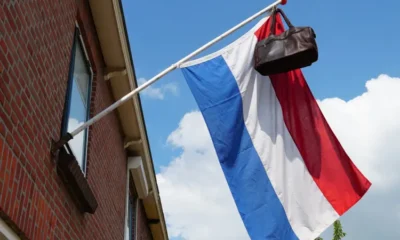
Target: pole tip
[283,2]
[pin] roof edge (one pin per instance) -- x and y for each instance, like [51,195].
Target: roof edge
[143,128]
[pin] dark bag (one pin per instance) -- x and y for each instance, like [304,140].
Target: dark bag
[295,48]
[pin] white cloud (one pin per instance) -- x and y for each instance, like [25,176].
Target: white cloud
[158,92]
[197,201]
[194,192]
[368,126]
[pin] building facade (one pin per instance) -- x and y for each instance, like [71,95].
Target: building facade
[61,63]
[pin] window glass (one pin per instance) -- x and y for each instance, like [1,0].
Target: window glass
[79,98]
[132,213]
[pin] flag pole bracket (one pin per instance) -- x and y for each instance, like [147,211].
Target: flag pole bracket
[55,146]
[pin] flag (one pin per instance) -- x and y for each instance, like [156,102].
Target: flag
[288,173]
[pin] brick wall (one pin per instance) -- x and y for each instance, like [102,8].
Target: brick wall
[35,44]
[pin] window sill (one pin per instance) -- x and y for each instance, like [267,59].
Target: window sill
[77,185]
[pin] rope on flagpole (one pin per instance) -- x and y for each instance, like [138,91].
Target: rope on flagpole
[64,139]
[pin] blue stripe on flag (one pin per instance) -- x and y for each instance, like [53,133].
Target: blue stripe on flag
[218,97]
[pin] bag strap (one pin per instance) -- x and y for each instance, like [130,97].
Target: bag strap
[276,11]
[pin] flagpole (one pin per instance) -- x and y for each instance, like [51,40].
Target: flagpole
[64,139]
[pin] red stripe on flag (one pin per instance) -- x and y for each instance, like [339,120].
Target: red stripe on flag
[338,178]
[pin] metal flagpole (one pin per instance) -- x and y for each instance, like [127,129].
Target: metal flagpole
[69,136]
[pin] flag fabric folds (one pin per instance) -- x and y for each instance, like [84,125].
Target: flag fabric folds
[287,172]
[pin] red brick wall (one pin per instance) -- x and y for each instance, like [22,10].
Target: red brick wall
[35,44]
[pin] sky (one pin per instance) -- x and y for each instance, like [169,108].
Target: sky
[356,82]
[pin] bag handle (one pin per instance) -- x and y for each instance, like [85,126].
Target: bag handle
[276,11]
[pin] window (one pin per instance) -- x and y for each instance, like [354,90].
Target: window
[77,101]
[132,217]
[132,202]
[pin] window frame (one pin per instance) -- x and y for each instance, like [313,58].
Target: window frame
[77,39]
[132,216]
[132,211]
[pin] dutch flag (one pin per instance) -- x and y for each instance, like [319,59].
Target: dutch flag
[287,172]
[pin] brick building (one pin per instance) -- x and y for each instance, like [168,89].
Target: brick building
[61,63]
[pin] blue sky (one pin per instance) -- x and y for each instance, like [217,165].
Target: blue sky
[357,41]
